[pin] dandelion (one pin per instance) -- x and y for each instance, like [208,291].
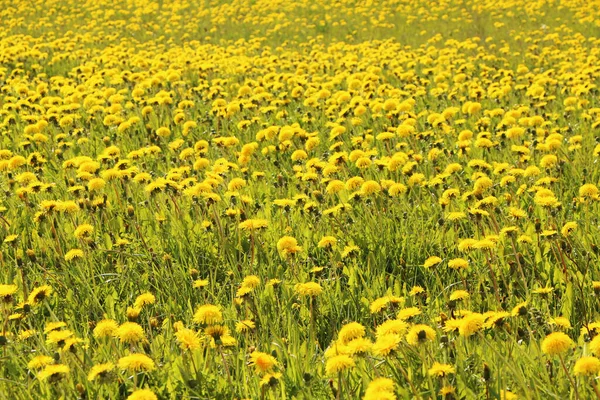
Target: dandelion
[441,370]
[311,289]
[587,366]
[39,362]
[208,314]
[339,363]
[288,245]
[392,326]
[144,299]
[200,283]
[37,295]
[7,292]
[458,263]
[83,231]
[74,254]
[130,333]
[459,295]
[408,313]
[359,346]
[380,389]
[251,282]
[100,371]
[142,394]
[58,337]
[327,242]
[556,343]
[385,344]
[262,362]
[471,324]
[351,331]
[419,334]
[136,363]
[188,339]
[432,262]
[245,326]
[270,379]
[53,373]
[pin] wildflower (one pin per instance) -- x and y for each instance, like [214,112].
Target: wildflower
[350,332]
[561,322]
[200,283]
[385,344]
[556,343]
[270,379]
[39,362]
[568,228]
[263,362]
[58,337]
[253,224]
[54,372]
[350,251]
[208,314]
[587,366]
[245,326]
[589,191]
[471,324]
[338,364]
[327,242]
[187,339]
[441,370]
[217,333]
[84,231]
[508,395]
[595,346]
[100,371]
[392,326]
[7,292]
[520,309]
[144,299]
[420,334]
[497,319]
[359,346]
[133,313]
[74,254]
[408,313]
[459,295]
[458,263]
[136,362]
[380,389]
[142,394]
[543,291]
[288,245]
[312,289]
[432,261]
[251,282]
[447,391]
[130,333]
[39,294]
[96,184]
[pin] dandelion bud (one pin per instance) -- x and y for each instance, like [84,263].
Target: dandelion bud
[487,373]
[80,389]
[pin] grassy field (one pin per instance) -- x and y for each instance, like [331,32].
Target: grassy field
[299,199]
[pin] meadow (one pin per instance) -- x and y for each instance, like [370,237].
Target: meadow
[299,199]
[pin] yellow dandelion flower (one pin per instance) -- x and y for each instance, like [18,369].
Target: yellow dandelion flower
[556,343]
